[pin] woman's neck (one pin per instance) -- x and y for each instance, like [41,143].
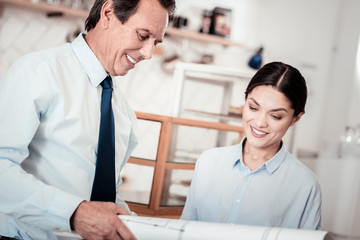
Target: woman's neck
[254,157]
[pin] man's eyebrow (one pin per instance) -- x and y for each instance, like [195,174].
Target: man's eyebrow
[273,110]
[151,34]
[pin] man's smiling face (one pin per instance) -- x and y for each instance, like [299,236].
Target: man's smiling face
[135,40]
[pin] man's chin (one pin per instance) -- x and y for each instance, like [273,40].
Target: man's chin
[122,73]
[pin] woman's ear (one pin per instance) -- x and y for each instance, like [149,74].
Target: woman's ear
[297,118]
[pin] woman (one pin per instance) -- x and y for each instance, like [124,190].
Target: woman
[258,182]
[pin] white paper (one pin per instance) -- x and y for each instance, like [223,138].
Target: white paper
[147,228]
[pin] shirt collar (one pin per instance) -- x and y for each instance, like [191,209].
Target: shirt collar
[238,158]
[271,165]
[89,61]
[275,162]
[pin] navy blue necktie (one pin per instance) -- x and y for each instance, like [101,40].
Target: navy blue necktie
[104,183]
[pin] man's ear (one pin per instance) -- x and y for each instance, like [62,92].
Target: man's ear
[106,13]
[297,118]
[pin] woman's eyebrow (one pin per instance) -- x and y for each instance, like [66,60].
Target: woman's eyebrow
[272,110]
[279,109]
[254,101]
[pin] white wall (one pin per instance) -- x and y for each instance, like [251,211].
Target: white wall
[23,31]
[342,99]
[293,32]
[354,113]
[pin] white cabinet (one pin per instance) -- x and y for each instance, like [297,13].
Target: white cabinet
[205,92]
[228,79]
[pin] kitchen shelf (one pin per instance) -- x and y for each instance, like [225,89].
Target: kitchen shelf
[45,7]
[71,12]
[219,116]
[202,37]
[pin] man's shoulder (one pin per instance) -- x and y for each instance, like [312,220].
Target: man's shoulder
[46,55]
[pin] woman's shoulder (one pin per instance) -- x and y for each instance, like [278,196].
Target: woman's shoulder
[299,170]
[223,151]
[221,155]
[216,161]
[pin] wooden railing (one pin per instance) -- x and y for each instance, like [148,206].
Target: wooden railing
[161,164]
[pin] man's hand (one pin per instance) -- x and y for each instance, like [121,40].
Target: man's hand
[99,220]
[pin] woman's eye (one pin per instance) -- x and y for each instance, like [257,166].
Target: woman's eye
[276,117]
[252,108]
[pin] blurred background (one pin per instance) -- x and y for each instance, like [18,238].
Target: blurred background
[211,49]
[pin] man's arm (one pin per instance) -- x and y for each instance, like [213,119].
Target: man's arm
[99,220]
[23,97]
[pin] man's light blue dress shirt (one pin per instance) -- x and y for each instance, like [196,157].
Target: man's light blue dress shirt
[49,129]
[280,193]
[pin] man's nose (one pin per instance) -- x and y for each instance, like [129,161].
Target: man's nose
[147,50]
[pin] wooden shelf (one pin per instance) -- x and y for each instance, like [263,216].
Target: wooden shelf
[224,117]
[176,32]
[49,8]
[71,12]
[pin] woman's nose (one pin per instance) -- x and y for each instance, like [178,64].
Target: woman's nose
[261,120]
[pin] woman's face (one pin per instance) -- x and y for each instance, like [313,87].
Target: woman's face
[267,116]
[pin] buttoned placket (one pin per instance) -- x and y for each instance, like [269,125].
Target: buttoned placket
[244,183]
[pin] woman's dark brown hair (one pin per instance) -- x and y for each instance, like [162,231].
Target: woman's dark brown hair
[285,79]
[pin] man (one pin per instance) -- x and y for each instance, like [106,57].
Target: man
[49,126]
